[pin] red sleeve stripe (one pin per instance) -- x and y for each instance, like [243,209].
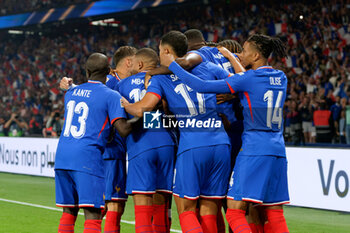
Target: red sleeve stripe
[103,127]
[249,104]
[112,121]
[159,97]
[231,89]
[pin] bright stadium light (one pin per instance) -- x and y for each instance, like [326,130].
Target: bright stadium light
[105,22]
[18,32]
[301,17]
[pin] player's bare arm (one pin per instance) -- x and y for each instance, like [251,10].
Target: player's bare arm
[148,103]
[233,60]
[123,127]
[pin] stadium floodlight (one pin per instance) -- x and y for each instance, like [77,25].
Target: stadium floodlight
[106,22]
[18,32]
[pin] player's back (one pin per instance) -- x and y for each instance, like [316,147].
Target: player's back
[262,95]
[213,55]
[132,88]
[89,109]
[197,118]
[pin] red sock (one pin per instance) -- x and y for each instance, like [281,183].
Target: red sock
[236,220]
[189,222]
[276,221]
[67,222]
[92,226]
[260,228]
[112,223]
[160,221]
[220,222]
[267,228]
[143,218]
[208,223]
[253,228]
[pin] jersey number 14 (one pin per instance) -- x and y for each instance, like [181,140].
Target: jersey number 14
[276,117]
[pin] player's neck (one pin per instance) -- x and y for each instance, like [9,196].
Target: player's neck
[259,63]
[147,68]
[99,79]
[122,73]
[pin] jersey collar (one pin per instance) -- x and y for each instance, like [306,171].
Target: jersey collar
[94,81]
[115,74]
[265,67]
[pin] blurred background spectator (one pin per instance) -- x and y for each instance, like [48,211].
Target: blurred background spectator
[317,34]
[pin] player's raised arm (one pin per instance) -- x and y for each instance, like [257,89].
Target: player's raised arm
[237,66]
[187,62]
[202,86]
[148,103]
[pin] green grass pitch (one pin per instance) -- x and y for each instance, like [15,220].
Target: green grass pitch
[19,218]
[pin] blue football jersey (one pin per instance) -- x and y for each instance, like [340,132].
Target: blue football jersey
[132,88]
[113,80]
[262,94]
[90,111]
[117,148]
[213,55]
[191,107]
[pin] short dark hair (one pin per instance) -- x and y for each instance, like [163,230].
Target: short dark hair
[267,45]
[123,52]
[149,55]
[97,65]
[194,35]
[177,40]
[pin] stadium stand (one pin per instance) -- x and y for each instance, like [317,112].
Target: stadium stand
[318,67]
[9,7]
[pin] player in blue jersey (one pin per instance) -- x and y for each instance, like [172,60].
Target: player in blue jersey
[203,157]
[91,110]
[151,155]
[260,173]
[115,151]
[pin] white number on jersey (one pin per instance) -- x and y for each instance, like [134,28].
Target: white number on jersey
[136,94]
[276,118]
[183,90]
[80,108]
[226,66]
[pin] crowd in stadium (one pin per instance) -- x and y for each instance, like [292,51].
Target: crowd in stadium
[318,67]
[9,7]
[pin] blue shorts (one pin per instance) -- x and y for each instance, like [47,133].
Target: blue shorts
[151,171]
[115,179]
[202,172]
[260,179]
[78,189]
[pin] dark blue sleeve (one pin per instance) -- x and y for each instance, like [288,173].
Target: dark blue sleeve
[197,84]
[218,72]
[239,82]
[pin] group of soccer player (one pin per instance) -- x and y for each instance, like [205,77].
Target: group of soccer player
[105,153]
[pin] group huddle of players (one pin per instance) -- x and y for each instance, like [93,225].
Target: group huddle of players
[105,153]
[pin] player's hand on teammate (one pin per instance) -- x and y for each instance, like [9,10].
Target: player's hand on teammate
[222,98]
[224,51]
[167,59]
[65,83]
[147,79]
[124,102]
